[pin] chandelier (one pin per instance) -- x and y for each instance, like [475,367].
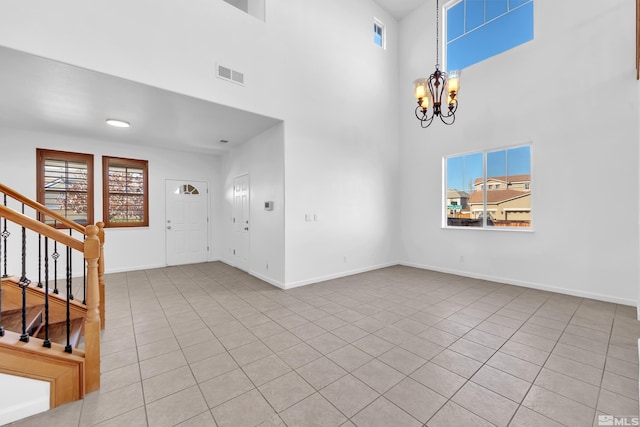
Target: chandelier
[430,91]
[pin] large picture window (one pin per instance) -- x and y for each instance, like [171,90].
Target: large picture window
[479,29]
[65,185]
[125,192]
[489,189]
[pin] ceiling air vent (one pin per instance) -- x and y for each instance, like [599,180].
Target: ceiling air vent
[231,75]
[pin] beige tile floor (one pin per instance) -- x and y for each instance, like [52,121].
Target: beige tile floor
[207,345]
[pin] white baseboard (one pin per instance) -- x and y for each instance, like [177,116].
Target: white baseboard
[539,286]
[269,280]
[337,275]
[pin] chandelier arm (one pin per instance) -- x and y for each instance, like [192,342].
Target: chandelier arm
[425,123]
[448,119]
[451,109]
[423,115]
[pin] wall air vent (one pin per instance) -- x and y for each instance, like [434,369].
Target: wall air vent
[231,75]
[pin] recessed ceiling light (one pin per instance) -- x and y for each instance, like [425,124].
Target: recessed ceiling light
[118,123]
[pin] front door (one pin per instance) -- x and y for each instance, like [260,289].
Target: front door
[241,222]
[186,222]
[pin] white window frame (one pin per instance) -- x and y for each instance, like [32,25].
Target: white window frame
[483,186]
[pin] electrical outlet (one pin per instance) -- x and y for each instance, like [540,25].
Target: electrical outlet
[461,258]
[344,259]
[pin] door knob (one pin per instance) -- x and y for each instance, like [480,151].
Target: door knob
[168,227]
[246,229]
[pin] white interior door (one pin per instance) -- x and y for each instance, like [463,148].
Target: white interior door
[241,227]
[186,222]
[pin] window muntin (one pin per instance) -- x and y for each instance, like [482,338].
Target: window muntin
[125,192]
[493,189]
[479,29]
[65,185]
[379,36]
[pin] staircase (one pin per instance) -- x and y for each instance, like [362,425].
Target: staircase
[34,314]
[45,333]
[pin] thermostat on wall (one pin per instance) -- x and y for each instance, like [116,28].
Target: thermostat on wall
[268,206]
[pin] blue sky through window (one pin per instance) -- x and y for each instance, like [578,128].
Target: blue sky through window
[480,29]
[462,171]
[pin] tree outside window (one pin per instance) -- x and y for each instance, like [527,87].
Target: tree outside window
[125,192]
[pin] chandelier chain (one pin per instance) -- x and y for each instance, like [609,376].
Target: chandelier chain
[437,34]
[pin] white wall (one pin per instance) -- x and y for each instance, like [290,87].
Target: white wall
[312,64]
[263,159]
[344,102]
[572,93]
[125,248]
[341,140]
[22,397]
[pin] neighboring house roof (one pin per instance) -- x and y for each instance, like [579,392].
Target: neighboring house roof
[512,178]
[497,196]
[453,194]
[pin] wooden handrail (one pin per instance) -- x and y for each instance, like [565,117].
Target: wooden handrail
[41,208]
[41,228]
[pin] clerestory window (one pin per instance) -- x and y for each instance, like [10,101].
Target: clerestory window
[479,29]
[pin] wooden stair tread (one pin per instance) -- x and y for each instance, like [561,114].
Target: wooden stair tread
[12,319]
[58,332]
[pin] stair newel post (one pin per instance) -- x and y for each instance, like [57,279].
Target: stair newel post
[101,273]
[92,319]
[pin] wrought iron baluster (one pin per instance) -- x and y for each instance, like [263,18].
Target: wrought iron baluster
[67,348]
[55,257]
[23,278]
[25,336]
[46,342]
[70,259]
[39,255]
[5,234]
[1,327]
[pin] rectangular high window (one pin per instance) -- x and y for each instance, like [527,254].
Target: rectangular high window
[479,29]
[65,185]
[489,189]
[125,192]
[379,33]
